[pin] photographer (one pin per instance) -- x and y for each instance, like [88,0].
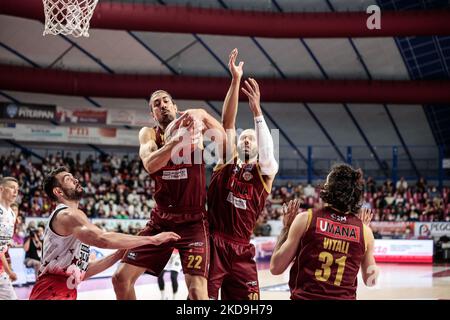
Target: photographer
[33,247]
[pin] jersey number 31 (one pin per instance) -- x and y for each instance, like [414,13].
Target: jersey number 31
[324,273]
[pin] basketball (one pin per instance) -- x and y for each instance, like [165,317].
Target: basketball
[188,136]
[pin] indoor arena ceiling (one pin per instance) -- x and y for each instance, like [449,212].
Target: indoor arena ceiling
[201,54]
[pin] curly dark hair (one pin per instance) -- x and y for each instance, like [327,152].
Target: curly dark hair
[344,189]
[50,182]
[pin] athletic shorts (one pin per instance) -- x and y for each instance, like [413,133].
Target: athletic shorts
[232,270]
[193,245]
[6,288]
[52,287]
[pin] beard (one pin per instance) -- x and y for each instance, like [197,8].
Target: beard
[247,155]
[73,194]
[166,119]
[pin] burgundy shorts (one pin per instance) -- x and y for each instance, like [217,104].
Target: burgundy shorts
[232,270]
[52,287]
[193,245]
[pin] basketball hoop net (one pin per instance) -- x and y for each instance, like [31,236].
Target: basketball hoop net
[68,17]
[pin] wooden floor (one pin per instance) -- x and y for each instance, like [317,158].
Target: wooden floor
[397,281]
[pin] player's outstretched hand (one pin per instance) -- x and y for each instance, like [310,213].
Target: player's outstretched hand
[235,70]
[366,215]
[164,237]
[253,94]
[13,276]
[290,211]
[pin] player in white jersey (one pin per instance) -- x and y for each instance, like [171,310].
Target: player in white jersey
[9,189]
[67,237]
[174,267]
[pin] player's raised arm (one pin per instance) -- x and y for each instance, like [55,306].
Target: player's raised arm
[294,227]
[75,221]
[266,158]
[230,104]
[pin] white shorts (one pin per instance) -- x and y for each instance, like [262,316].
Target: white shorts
[6,288]
[174,263]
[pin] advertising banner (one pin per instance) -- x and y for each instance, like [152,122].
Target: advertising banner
[137,118]
[81,115]
[72,134]
[414,251]
[432,229]
[107,136]
[12,111]
[33,132]
[407,251]
[390,228]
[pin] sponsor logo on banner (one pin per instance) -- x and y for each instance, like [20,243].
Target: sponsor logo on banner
[434,229]
[92,135]
[390,228]
[175,174]
[12,110]
[81,116]
[139,118]
[403,251]
[72,134]
[121,117]
[27,112]
[424,230]
[237,202]
[22,132]
[337,230]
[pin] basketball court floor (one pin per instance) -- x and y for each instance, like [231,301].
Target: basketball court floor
[397,281]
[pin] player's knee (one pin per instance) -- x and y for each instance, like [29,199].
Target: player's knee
[195,292]
[120,280]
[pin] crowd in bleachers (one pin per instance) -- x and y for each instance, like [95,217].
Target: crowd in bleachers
[119,188]
[114,187]
[399,202]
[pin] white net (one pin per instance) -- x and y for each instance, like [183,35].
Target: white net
[68,17]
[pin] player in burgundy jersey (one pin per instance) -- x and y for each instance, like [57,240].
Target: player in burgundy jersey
[237,195]
[329,245]
[180,195]
[67,237]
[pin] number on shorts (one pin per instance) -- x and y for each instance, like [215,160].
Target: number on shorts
[324,273]
[253,296]
[198,260]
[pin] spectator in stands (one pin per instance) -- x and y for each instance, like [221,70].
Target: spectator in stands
[371,185]
[388,186]
[401,185]
[421,185]
[309,191]
[33,249]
